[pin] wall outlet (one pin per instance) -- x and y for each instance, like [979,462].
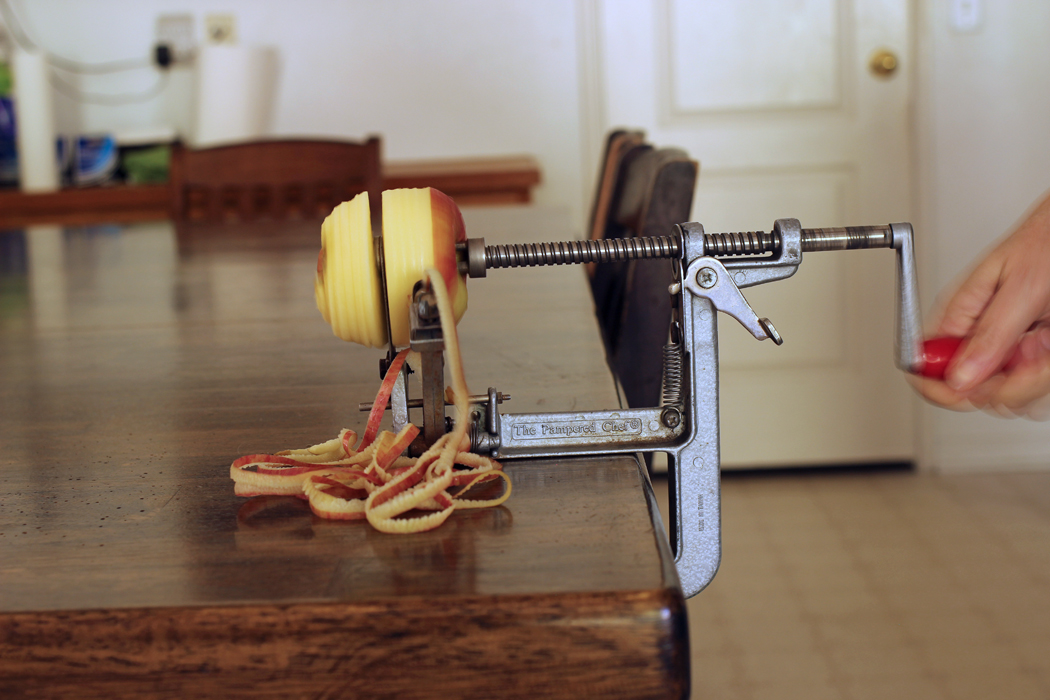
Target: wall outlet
[965,15]
[176,31]
[220,29]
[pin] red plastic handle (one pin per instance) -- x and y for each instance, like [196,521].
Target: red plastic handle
[937,353]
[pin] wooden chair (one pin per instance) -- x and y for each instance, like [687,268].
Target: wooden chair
[273,179]
[652,190]
[617,146]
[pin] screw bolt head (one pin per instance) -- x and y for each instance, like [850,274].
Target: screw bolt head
[671,418]
[706,277]
[426,310]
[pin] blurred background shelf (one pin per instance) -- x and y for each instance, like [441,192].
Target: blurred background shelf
[470,181]
[87,205]
[504,180]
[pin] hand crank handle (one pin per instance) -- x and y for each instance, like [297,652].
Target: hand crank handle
[909,314]
[908,336]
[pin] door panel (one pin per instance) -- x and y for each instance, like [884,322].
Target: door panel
[788,51]
[776,101]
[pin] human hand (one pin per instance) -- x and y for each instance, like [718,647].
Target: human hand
[1003,309]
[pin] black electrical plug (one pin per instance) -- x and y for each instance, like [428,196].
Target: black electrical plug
[163,56]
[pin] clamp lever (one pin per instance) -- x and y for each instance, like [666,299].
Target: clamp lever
[708,278]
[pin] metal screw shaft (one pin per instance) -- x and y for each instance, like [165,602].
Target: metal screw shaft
[476,257]
[575,252]
[813,240]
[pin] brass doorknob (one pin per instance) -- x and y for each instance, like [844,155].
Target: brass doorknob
[883,63]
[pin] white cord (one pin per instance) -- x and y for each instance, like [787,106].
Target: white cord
[72,91]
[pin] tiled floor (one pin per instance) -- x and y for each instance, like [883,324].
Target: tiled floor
[869,585]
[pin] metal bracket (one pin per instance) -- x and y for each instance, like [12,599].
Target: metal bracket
[426,339]
[709,279]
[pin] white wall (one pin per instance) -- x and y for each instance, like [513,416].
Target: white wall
[984,157]
[436,78]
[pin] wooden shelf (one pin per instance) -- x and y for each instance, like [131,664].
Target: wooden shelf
[90,205]
[471,181]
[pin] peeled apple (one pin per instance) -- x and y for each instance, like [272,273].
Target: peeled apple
[420,230]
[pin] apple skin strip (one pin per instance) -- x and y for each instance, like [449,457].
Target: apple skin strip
[374,481]
[406,492]
[382,398]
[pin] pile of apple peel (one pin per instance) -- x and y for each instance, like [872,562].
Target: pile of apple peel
[372,479]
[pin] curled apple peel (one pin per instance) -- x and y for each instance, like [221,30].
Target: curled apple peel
[373,480]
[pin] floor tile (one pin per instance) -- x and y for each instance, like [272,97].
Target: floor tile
[869,586]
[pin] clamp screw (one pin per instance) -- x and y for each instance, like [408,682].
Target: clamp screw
[427,311]
[671,417]
[706,277]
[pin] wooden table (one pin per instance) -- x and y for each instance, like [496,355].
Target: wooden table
[135,365]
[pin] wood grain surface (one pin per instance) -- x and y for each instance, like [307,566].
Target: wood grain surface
[137,363]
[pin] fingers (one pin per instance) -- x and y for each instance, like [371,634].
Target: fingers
[1023,391]
[1002,367]
[1000,300]
[1011,312]
[940,394]
[1034,344]
[970,299]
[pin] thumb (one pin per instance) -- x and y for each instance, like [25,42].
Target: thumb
[996,333]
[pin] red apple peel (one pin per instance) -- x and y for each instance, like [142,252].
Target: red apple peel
[374,481]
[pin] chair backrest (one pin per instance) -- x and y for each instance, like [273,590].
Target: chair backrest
[273,179]
[617,145]
[653,190]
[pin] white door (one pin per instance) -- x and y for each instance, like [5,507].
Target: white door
[776,100]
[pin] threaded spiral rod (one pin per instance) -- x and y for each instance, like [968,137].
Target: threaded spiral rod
[576,252]
[745,243]
[475,257]
[813,240]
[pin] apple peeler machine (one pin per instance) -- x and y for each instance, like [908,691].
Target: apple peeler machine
[708,272]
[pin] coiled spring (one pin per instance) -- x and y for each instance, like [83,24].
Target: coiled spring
[673,375]
[576,252]
[745,243]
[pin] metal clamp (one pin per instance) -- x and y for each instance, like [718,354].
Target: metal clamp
[710,271]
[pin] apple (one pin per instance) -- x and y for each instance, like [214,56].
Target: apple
[421,228]
[346,287]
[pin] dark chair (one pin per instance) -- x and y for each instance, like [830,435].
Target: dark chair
[652,190]
[617,145]
[273,179]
